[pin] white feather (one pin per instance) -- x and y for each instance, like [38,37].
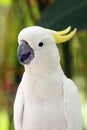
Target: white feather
[72,106]
[18,109]
[45,100]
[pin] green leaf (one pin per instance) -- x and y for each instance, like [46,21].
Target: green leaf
[63,13]
[5,2]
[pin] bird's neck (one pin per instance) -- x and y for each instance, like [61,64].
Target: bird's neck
[50,71]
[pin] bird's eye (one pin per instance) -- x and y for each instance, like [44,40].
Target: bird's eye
[40,44]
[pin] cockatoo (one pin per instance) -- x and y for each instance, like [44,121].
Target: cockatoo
[46,99]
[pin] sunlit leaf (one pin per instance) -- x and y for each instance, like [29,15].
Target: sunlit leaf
[5,2]
[4,120]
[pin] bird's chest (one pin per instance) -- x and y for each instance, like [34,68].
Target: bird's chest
[42,89]
[45,114]
[44,106]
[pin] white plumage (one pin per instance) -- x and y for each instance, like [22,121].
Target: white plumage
[46,99]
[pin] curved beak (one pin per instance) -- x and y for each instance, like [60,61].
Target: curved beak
[25,53]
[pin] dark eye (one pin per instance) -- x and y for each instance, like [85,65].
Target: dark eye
[40,44]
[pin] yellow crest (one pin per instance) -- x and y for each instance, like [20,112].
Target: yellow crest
[62,36]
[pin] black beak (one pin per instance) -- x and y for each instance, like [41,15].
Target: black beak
[25,53]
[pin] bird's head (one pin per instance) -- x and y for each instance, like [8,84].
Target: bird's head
[37,50]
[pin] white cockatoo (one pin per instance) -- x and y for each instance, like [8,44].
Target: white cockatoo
[46,99]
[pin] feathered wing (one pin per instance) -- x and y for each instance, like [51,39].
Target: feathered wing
[18,109]
[72,106]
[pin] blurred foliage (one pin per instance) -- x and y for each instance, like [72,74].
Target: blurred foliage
[53,14]
[61,14]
